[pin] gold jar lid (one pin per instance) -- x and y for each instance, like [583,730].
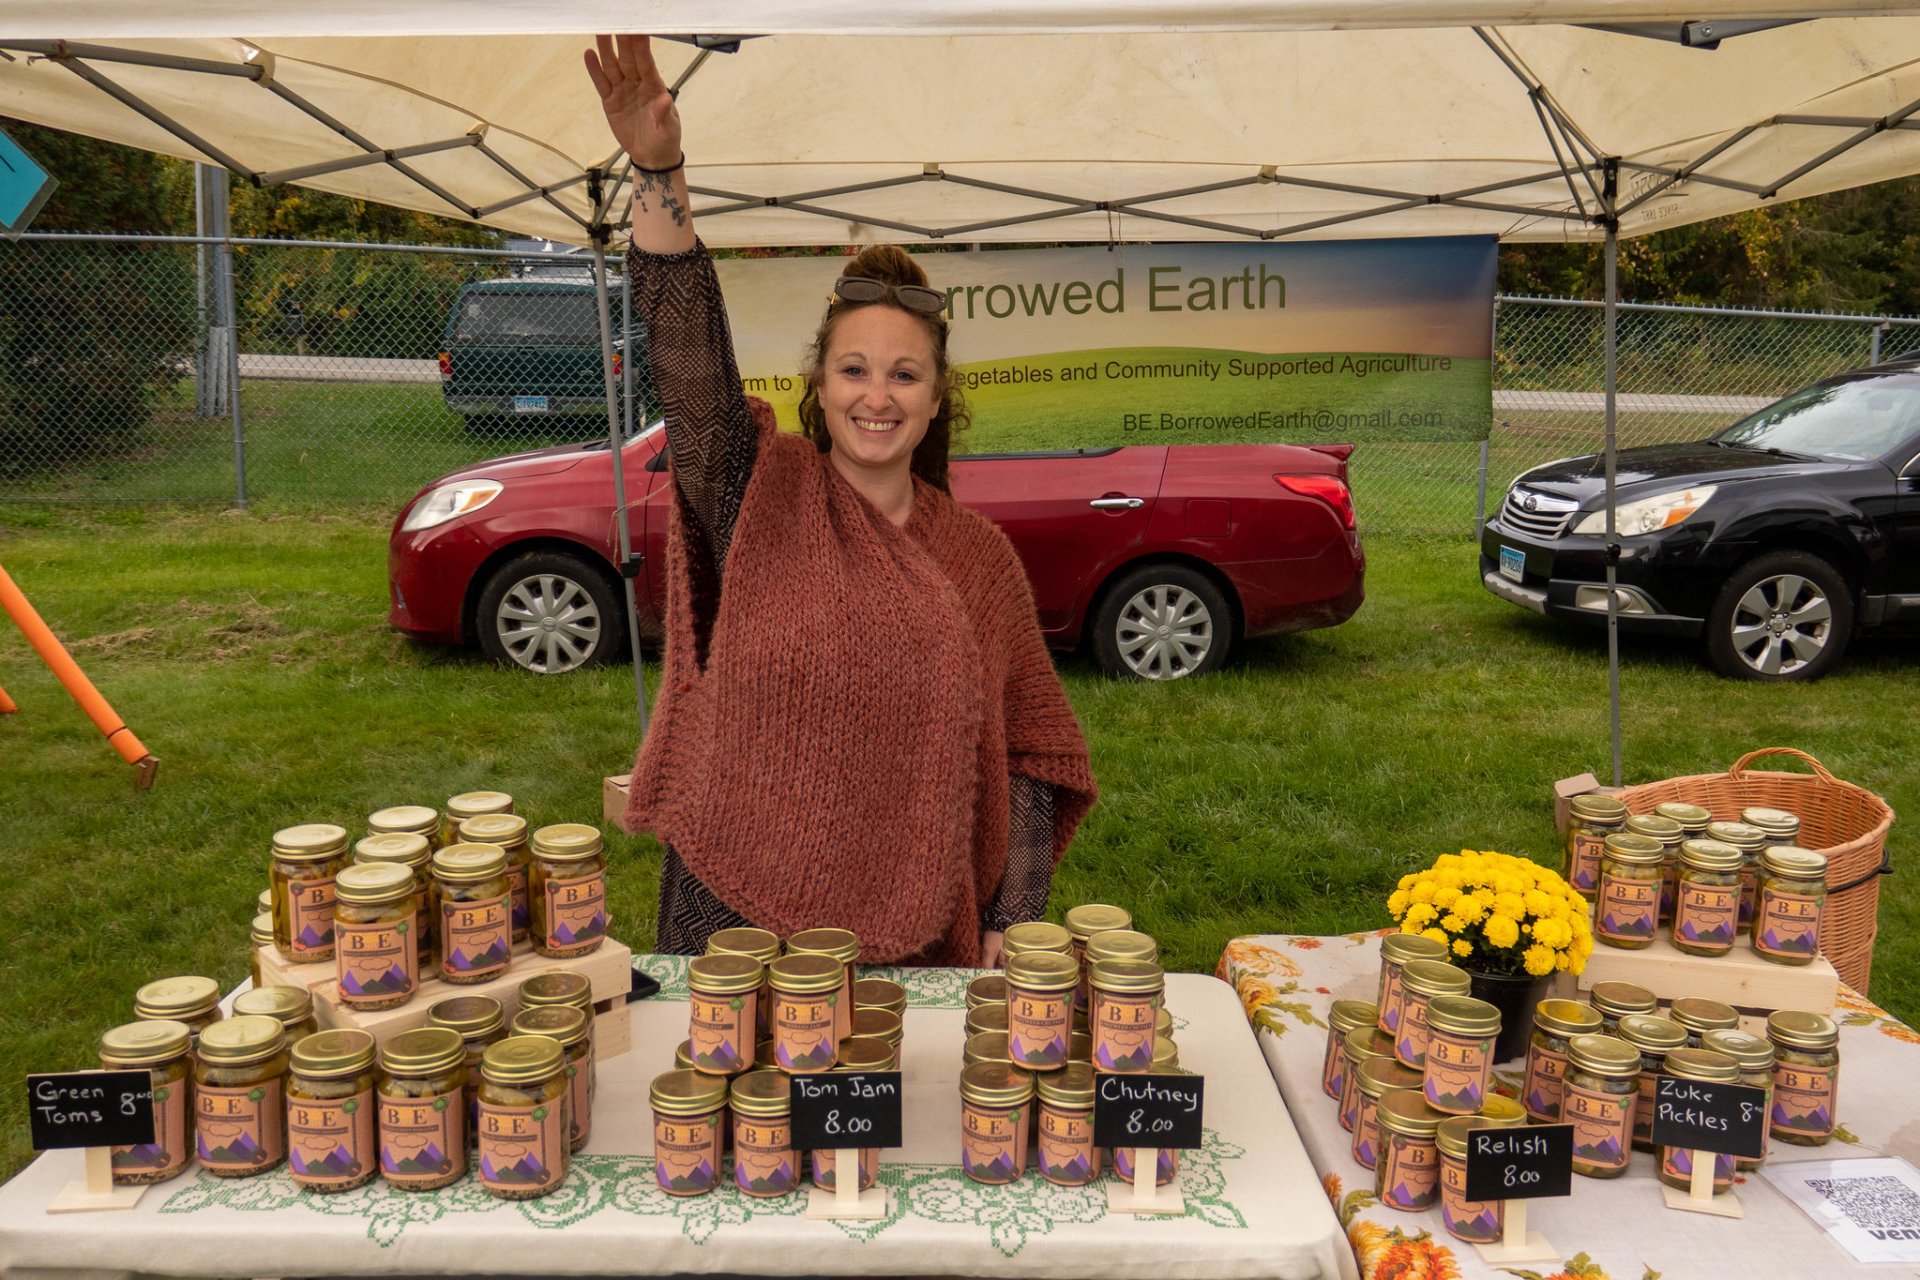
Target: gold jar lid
[1711,855]
[995,1084]
[1780,826]
[1405,1111]
[1162,1021]
[986,1046]
[1089,918]
[1693,818]
[764,1055]
[1799,1029]
[1603,1055]
[522,1060]
[1043,971]
[1791,862]
[988,988]
[875,1023]
[1362,1043]
[1702,1064]
[1379,1076]
[1652,1034]
[879,993]
[309,842]
[141,1044]
[424,1051]
[237,1041]
[1656,826]
[1166,1054]
[184,998]
[265,901]
[1434,978]
[470,863]
[763,945]
[1753,1053]
[262,929]
[687,1093]
[1451,1135]
[1463,1016]
[557,987]
[1127,977]
[861,1053]
[1503,1111]
[764,1095]
[408,848]
[508,830]
[1613,999]
[1071,1086]
[1635,850]
[287,1005]
[1595,808]
[471,1016]
[471,804]
[988,1017]
[1399,948]
[373,883]
[725,975]
[806,974]
[842,944]
[683,1056]
[560,1022]
[1565,1018]
[568,842]
[1122,944]
[416,818]
[1035,935]
[1741,835]
[342,1052]
[1698,1014]
[1345,1015]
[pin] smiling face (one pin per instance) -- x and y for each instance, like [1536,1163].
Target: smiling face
[878,389]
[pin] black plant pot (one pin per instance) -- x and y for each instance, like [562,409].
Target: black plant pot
[1515,996]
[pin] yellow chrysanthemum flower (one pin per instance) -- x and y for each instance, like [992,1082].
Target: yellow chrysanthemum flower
[1502,931]
[1422,891]
[1461,947]
[1539,961]
[1397,903]
[1436,935]
[1452,923]
[1419,916]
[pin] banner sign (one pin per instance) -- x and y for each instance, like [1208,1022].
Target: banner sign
[1359,341]
[24,187]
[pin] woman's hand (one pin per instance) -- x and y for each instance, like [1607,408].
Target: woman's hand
[634,95]
[992,943]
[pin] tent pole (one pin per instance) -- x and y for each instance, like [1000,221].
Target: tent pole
[1611,326]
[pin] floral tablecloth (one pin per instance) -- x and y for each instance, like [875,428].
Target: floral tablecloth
[1607,1230]
[1253,1203]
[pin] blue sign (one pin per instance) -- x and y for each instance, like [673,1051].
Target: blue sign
[24,187]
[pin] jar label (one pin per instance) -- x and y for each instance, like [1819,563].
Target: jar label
[580,1097]
[310,920]
[1333,1069]
[1350,1099]
[1546,1075]
[1803,1099]
[475,939]
[1789,924]
[1409,1175]
[240,1129]
[993,1141]
[1038,1024]
[1475,1221]
[1388,998]
[720,1031]
[1122,1026]
[1602,1126]
[522,909]
[1166,1163]
[686,1153]
[376,961]
[1065,1153]
[1643,1104]
[763,1158]
[1410,1044]
[1583,861]
[330,1141]
[1366,1133]
[1749,893]
[166,1155]
[523,1149]
[1629,909]
[423,1140]
[1669,886]
[843,1008]
[576,910]
[1456,1072]
[803,1031]
[824,1162]
[1706,914]
[1082,993]
[1677,1162]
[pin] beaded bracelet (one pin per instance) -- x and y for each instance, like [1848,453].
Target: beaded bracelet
[675,167]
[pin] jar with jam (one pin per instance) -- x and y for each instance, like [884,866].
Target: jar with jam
[874,1023]
[689,1108]
[1603,1081]
[421,1097]
[1750,841]
[192,1000]
[1474,1221]
[1373,1080]
[853,1054]
[1706,915]
[1793,893]
[568,1026]
[331,1116]
[764,1161]
[373,935]
[1103,947]
[1082,923]
[1654,1038]
[1461,1032]
[1040,987]
[761,945]
[1614,1000]
[240,1097]
[1420,982]
[568,890]
[880,993]
[807,989]
[1699,1016]
[988,1017]
[1035,935]
[1065,1152]
[525,1121]
[1407,1173]
[480,1023]
[1358,1046]
[1555,1022]
[1627,906]
[985,1046]
[1658,826]
[259,937]
[470,804]
[994,1101]
[987,989]
[1344,1016]
[508,833]
[470,907]
[163,1050]
[1591,819]
[722,993]
[415,853]
[1126,997]
[1754,1056]
[840,945]
[405,820]
[1395,950]
[1676,1163]
[306,858]
[1806,1077]
[291,1007]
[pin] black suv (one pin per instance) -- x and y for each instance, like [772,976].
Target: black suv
[1774,541]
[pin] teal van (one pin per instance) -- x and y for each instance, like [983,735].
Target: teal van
[518,352]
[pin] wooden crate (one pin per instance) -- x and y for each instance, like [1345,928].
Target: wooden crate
[613,800]
[1754,986]
[609,970]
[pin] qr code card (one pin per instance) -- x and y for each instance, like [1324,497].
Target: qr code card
[1871,1207]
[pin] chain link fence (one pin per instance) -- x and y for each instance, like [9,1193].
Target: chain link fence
[119,357]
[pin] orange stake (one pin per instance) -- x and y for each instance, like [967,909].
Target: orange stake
[7,705]
[61,663]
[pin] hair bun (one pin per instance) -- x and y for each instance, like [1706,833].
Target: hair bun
[887,263]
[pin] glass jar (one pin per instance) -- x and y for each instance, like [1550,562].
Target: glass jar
[1373,1080]
[1591,819]
[1793,893]
[1065,1152]
[1653,1038]
[163,1049]
[873,1023]
[373,936]
[568,1026]
[568,890]
[264,903]
[561,987]
[1754,1056]
[1040,987]
[240,1097]
[689,1108]
[1706,916]
[1614,1000]
[1502,1110]
[1420,981]
[259,938]
[291,1007]
[994,1098]
[987,989]
[405,820]
[1344,1016]
[470,905]
[1692,820]
[525,1122]
[1107,945]
[1407,1174]
[508,833]
[421,1096]
[1474,1221]
[1555,1022]
[722,994]
[1359,1045]
[853,1054]
[192,1000]
[1082,923]
[1627,907]
[806,992]
[761,945]
[330,1112]
[1166,1163]
[415,853]
[1676,1163]
[985,1046]
[1749,840]
[1806,1077]
[1700,1015]
[1777,825]
[305,860]
[1603,1079]
[1034,935]
[1126,997]
[1658,826]
[1461,1032]
[470,804]
[988,1017]
[481,1024]
[1395,950]
[836,944]
[880,993]
[764,1161]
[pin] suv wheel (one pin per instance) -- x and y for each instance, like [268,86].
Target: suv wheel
[1785,616]
[548,613]
[1161,622]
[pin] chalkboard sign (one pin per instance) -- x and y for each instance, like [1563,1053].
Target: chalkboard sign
[90,1109]
[842,1109]
[1148,1111]
[1726,1119]
[1519,1163]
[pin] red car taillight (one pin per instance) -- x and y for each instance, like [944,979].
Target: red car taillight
[446,367]
[1329,489]
[619,363]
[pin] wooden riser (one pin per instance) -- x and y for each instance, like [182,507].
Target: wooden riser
[1754,986]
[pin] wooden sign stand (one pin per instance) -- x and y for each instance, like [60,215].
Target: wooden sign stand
[847,1200]
[1145,1195]
[1517,1243]
[96,1193]
[1699,1197]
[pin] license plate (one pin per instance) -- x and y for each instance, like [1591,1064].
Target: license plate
[529,404]
[1513,564]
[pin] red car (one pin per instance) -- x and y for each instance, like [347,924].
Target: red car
[1160,557]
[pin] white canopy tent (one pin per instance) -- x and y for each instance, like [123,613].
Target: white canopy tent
[835,121]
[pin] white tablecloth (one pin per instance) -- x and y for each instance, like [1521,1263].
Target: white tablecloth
[1254,1206]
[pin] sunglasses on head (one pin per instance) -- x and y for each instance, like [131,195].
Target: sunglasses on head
[915,298]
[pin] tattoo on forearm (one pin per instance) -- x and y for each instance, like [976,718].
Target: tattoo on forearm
[646,184]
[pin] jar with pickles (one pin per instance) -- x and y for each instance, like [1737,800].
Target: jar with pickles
[415,853]
[1591,819]
[305,860]
[1676,1163]
[163,1049]
[421,1097]
[1706,914]
[1754,1056]
[1555,1022]
[469,804]
[1614,1000]
[1602,1083]
[508,833]
[1627,904]
[471,906]
[376,961]
[568,1026]
[1700,1015]
[291,1007]
[1750,841]
[240,1097]
[1658,826]
[405,819]
[331,1116]
[568,890]
[191,1000]
[525,1119]
[1792,895]
[1654,1038]
[480,1023]
[1806,1077]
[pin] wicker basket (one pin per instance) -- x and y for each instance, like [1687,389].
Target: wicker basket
[1846,822]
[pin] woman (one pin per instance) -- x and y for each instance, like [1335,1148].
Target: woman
[858,724]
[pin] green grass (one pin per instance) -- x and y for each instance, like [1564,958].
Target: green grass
[1286,793]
